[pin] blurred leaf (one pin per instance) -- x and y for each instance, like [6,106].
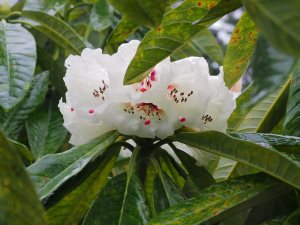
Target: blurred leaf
[17,63]
[143,12]
[222,8]
[224,169]
[150,176]
[268,160]
[175,31]
[122,31]
[56,29]
[45,130]
[49,6]
[110,207]
[53,170]
[202,43]
[101,15]
[263,116]
[70,210]
[12,122]
[292,118]
[240,49]
[270,69]
[278,21]
[18,201]
[221,200]
[23,151]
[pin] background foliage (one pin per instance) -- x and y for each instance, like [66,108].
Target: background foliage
[251,174]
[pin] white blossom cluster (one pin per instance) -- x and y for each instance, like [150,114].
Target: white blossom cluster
[174,94]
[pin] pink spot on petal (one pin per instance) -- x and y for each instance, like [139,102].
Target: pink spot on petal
[182,119]
[152,75]
[143,89]
[147,122]
[72,109]
[91,111]
[170,87]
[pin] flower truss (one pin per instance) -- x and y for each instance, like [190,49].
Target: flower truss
[174,94]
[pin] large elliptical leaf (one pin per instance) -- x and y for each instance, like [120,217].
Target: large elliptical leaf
[270,69]
[18,201]
[266,159]
[56,29]
[70,210]
[45,130]
[53,170]
[278,21]
[292,119]
[176,30]
[203,43]
[12,122]
[143,12]
[17,63]
[240,49]
[220,200]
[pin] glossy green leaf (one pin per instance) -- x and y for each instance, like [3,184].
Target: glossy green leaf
[203,43]
[56,29]
[17,63]
[143,12]
[175,31]
[70,210]
[216,202]
[283,143]
[23,151]
[278,21]
[150,176]
[48,6]
[101,15]
[292,119]
[12,122]
[240,49]
[45,130]
[263,116]
[18,201]
[53,170]
[108,207]
[122,31]
[268,160]
[222,8]
[270,69]
[224,169]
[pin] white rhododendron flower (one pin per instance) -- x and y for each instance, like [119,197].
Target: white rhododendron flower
[174,94]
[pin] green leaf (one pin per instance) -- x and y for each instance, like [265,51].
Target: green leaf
[220,200]
[263,116]
[53,170]
[143,12]
[101,15]
[203,43]
[17,63]
[240,49]
[122,31]
[278,21]
[12,122]
[49,6]
[270,69]
[175,31]
[265,159]
[18,201]
[222,8]
[292,119]
[45,130]
[23,151]
[56,29]
[224,169]
[70,210]
[108,207]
